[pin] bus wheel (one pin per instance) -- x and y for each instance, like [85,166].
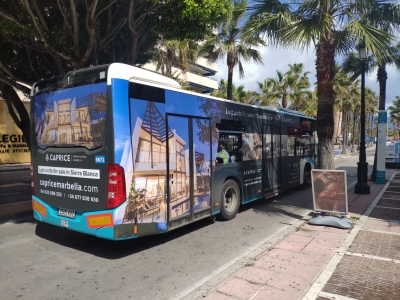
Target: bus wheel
[230,200]
[306,178]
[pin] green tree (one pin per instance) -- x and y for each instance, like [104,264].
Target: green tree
[341,84]
[221,92]
[371,109]
[311,105]
[299,85]
[169,53]
[238,93]
[333,27]
[228,41]
[291,87]
[267,95]
[352,66]
[394,111]
[41,38]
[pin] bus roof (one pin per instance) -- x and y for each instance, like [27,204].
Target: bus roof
[131,73]
[139,75]
[123,71]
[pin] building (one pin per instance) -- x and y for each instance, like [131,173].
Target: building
[13,148]
[196,78]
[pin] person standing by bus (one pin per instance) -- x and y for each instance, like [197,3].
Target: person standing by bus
[223,153]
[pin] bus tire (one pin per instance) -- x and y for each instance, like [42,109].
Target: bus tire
[230,200]
[306,178]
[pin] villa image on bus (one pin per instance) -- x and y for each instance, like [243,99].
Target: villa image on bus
[119,152]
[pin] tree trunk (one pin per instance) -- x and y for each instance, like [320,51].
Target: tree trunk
[229,88]
[345,130]
[169,63]
[15,106]
[230,63]
[337,127]
[284,101]
[382,77]
[354,132]
[325,66]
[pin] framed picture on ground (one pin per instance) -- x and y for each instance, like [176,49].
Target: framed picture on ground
[329,188]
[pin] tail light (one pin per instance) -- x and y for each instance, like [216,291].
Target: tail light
[32,180]
[116,192]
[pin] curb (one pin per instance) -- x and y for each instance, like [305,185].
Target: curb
[13,211]
[14,169]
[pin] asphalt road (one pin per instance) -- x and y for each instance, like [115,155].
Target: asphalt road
[41,261]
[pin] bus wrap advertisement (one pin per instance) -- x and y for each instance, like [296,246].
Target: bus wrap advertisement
[70,165]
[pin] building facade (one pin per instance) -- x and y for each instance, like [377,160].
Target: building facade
[196,78]
[13,148]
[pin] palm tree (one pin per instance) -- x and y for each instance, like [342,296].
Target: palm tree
[291,86]
[174,52]
[300,87]
[230,43]
[267,95]
[354,92]
[238,93]
[352,65]
[311,105]
[221,91]
[371,108]
[334,27]
[395,111]
[341,85]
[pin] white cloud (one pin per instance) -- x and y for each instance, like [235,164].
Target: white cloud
[274,60]
[277,59]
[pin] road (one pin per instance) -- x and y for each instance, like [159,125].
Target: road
[40,261]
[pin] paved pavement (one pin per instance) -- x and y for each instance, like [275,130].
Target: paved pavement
[320,262]
[15,200]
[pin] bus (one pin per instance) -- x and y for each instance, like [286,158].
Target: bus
[392,157]
[119,152]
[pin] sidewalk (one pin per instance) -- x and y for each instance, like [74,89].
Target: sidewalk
[319,262]
[14,167]
[20,205]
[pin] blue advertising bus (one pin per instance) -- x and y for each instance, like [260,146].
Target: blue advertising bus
[119,152]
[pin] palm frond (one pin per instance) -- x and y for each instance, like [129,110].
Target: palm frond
[375,40]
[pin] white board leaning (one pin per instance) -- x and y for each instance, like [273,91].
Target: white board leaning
[329,189]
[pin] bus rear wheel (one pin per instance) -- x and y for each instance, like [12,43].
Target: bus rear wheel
[230,200]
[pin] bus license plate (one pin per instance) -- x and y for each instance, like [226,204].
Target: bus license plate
[64,223]
[66,213]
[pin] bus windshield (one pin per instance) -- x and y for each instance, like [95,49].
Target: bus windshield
[70,110]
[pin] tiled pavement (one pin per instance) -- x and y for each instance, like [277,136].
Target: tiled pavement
[319,262]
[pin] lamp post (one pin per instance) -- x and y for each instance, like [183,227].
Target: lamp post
[362,186]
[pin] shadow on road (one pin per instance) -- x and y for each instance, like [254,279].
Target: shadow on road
[111,249]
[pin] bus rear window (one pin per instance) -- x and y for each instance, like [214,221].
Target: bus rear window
[71,117]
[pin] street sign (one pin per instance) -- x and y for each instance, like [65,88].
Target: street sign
[381,147]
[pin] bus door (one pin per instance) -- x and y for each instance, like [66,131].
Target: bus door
[189,169]
[271,159]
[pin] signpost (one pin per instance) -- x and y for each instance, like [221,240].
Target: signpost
[381,147]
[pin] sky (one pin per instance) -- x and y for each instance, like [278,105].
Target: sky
[278,59]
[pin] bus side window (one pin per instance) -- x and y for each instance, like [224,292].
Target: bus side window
[233,146]
[291,145]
